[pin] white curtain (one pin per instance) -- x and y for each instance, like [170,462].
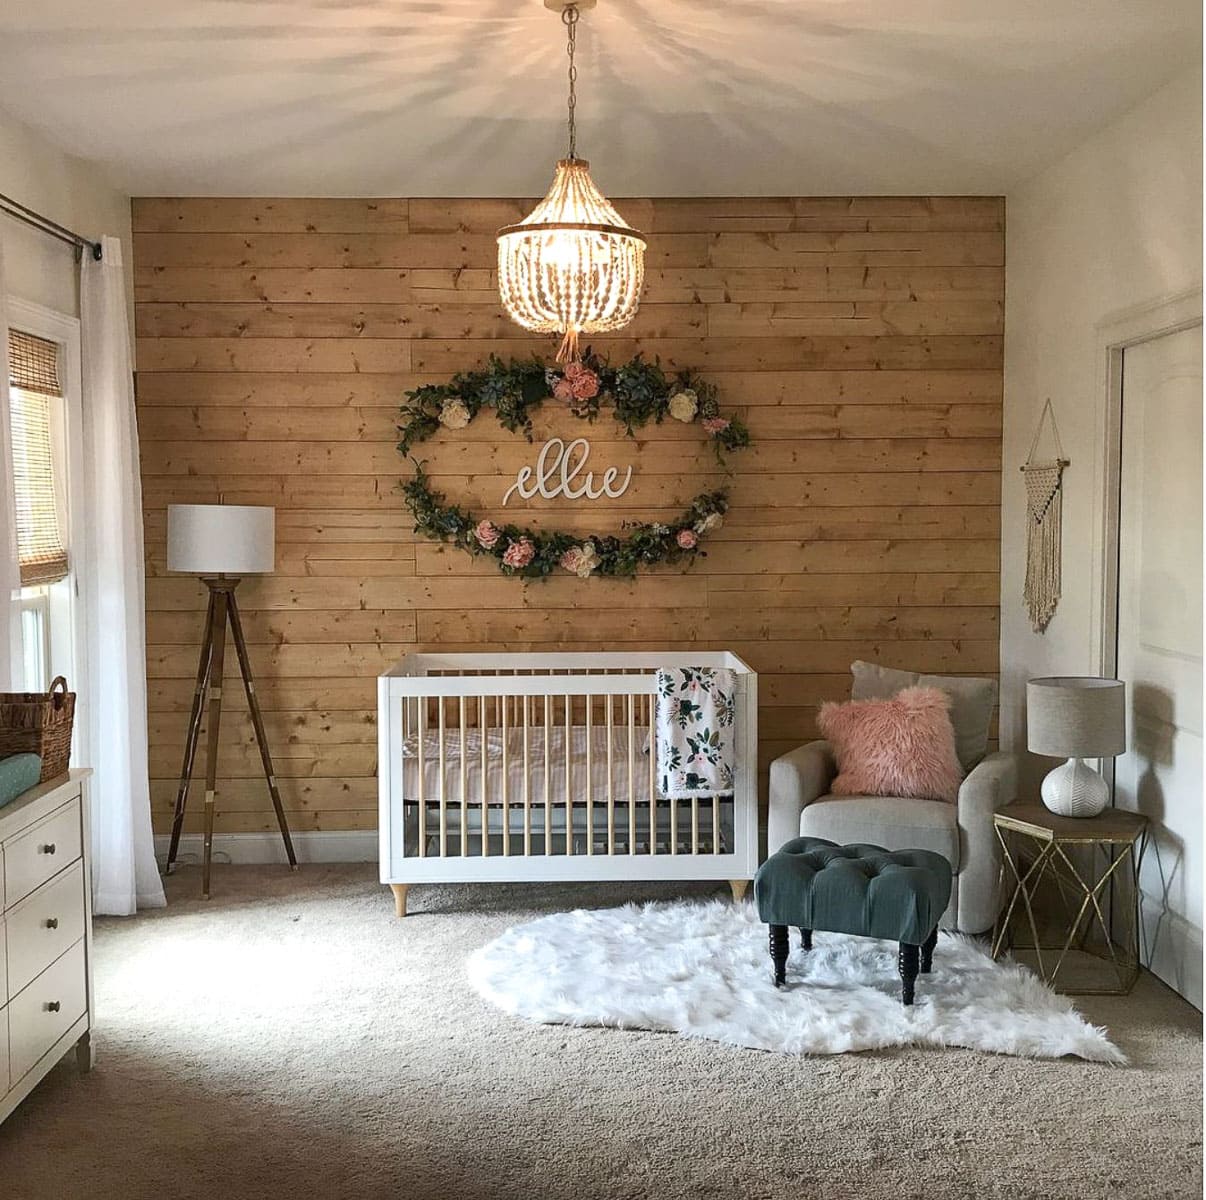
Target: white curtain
[124,873]
[12,666]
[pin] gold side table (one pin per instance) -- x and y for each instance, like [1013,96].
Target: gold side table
[1104,887]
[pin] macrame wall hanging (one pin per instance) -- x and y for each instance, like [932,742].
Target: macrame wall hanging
[1044,517]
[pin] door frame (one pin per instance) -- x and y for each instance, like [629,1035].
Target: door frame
[1115,334]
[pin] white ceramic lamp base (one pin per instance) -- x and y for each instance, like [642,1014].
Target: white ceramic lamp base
[1074,789]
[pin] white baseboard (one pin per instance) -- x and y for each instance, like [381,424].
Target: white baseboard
[1174,953]
[311,847]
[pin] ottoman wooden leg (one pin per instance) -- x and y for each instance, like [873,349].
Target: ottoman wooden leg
[778,950]
[908,971]
[927,951]
[805,938]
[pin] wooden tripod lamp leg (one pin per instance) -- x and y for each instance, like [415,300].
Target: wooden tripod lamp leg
[257,721]
[193,735]
[217,661]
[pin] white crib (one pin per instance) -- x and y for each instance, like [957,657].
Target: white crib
[529,767]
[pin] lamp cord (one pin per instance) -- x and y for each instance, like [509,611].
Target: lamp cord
[569,15]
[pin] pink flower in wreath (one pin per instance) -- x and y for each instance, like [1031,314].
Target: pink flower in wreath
[520,553]
[578,383]
[487,534]
[686,539]
[715,425]
[585,384]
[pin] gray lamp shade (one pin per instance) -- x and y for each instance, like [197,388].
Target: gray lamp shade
[221,539]
[1070,716]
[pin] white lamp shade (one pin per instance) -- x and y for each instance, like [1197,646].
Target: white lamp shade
[221,539]
[1076,716]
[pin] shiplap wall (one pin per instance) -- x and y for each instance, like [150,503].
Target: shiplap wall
[861,338]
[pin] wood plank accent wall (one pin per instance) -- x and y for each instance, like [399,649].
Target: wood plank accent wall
[861,338]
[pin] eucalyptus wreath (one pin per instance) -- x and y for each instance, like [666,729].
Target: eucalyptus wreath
[634,394]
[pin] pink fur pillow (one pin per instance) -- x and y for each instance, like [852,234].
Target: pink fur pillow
[904,746]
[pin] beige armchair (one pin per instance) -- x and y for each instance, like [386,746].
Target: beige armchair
[800,803]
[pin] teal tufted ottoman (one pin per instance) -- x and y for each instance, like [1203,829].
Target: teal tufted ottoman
[862,890]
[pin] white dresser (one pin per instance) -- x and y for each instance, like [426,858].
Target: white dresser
[45,934]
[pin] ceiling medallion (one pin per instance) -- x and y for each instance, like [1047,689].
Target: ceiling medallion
[573,265]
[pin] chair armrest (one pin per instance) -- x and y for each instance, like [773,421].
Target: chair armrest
[990,785]
[796,780]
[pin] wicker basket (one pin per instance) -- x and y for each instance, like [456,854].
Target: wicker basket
[39,723]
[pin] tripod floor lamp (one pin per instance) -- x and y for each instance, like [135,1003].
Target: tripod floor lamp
[221,543]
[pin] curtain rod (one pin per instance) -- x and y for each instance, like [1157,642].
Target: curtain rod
[21,212]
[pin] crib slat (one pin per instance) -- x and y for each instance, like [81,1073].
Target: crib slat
[715,824]
[610,776]
[483,731]
[527,780]
[443,785]
[569,790]
[651,748]
[422,723]
[548,765]
[506,781]
[590,795]
[631,775]
[464,783]
[694,824]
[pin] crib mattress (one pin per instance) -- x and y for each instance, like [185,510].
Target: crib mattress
[579,767]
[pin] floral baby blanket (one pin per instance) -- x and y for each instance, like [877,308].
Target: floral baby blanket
[695,715]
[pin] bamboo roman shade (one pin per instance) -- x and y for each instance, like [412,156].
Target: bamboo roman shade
[33,364]
[34,384]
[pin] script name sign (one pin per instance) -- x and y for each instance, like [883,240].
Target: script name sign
[557,473]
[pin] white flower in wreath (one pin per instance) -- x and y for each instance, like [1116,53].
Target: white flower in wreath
[684,405]
[581,560]
[454,414]
[709,524]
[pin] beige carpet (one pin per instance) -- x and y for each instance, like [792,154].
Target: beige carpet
[292,1039]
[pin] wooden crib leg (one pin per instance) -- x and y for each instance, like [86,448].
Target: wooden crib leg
[738,886]
[399,890]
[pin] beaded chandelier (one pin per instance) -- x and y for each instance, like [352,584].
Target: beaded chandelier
[573,265]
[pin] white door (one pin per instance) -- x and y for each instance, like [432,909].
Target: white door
[1160,642]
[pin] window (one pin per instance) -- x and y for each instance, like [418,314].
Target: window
[44,401]
[34,390]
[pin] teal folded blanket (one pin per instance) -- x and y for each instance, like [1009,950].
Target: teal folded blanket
[18,774]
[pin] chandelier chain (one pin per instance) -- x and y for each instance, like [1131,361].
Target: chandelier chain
[569,15]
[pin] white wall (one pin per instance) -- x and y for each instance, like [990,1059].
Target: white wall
[72,191]
[1115,224]
[1113,227]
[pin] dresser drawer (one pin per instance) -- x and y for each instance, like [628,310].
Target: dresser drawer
[45,1010]
[43,850]
[3,969]
[43,925]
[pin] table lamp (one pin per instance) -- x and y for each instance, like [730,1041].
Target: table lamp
[221,543]
[1076,717]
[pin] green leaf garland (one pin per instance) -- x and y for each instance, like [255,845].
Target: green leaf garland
[636,393]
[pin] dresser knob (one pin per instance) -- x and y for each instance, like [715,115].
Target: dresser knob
[52,922]
[48,848]
[53,1006]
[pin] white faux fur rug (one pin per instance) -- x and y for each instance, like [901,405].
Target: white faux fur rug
[703,970]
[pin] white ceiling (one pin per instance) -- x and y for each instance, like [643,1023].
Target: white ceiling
[676,97]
